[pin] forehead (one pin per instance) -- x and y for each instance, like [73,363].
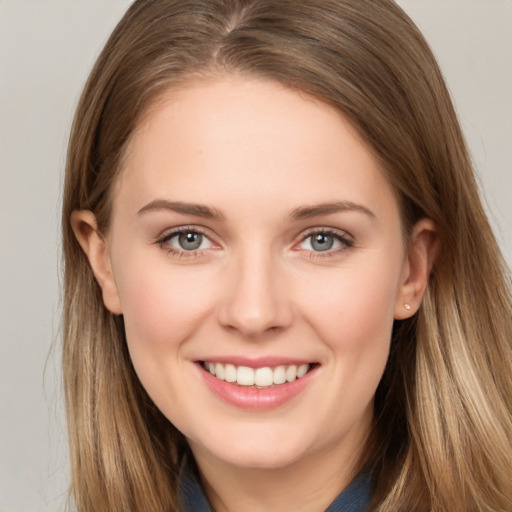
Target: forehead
[237,136]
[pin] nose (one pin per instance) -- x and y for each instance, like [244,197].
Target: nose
[255,300]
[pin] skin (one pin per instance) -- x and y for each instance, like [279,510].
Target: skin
[256,153]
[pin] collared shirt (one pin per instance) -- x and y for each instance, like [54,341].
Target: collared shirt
[355,498]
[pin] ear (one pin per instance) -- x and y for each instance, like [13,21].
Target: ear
[93,244]
[420,257]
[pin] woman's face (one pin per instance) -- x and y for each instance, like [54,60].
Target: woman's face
[254,235]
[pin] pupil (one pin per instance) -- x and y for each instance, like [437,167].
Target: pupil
[190,241]
[322,242]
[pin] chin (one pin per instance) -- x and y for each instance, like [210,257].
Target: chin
[268,460]
[253,452]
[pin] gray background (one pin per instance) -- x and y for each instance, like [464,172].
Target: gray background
[46,50]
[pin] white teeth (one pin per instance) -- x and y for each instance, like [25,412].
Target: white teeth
[219,371]
[302,370]
[261,377]
[264,377]
[245,376]
[291,373]
[279,375]
[230,373]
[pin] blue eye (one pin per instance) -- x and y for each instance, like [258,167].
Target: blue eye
[187,240]
[190,241]
[322,241]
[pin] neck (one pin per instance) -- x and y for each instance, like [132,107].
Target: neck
[308,485]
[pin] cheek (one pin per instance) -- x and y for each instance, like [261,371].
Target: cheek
[354,319]
[162,307]
[355,301]
[353,313]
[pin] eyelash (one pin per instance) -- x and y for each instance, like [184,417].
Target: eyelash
[345,241]
[181,253]
[342,238]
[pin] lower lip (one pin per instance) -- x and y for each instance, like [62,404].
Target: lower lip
[253,398]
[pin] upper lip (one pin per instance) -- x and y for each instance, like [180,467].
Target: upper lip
[257,362]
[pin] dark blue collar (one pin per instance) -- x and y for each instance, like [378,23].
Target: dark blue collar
[355,498]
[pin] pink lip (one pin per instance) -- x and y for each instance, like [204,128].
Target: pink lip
[252,398]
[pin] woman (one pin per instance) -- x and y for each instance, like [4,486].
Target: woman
[281,289]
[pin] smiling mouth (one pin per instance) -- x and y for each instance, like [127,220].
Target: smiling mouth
[260,378]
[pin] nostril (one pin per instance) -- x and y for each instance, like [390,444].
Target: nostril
[254,299]
[253,317]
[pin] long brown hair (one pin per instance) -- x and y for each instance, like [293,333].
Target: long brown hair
[443,432]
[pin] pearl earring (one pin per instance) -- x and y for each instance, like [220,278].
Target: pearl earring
[407,306]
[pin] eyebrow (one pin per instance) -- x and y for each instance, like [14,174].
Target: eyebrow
[316,210]
[300,213]
[198,210]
